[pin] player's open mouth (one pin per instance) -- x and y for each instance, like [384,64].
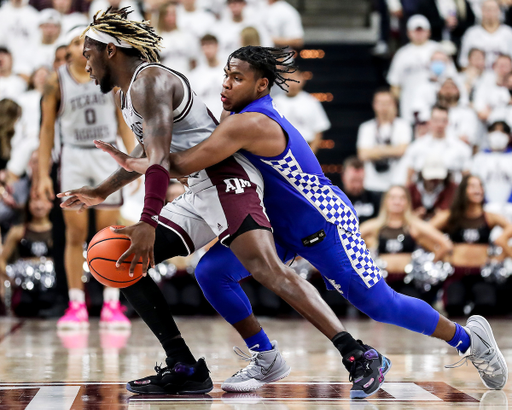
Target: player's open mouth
[95,80]
[223,98]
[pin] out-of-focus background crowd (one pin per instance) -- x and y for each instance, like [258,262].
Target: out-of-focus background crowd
[406,103]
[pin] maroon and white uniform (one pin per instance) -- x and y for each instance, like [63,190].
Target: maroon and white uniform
[85,114]
[219,198]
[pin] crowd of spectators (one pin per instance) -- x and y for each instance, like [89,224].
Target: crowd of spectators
[436,158]
[197,37]
[442,130]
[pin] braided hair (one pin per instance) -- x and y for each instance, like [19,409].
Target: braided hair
[271,62]
[139,34]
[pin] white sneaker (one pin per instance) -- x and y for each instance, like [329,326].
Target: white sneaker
[484,353]
[264,367]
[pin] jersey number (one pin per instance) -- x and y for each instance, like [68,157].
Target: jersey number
[90,116]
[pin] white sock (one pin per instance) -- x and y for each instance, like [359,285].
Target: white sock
[110,295]
[76,295]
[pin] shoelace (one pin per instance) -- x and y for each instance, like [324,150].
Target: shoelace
[159,369]
[251,358]
[352,371]
[483,366]
[358,365]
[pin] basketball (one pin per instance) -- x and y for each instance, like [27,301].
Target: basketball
[105,248]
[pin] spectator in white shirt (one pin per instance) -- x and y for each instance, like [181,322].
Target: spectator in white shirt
[195,20]
[491,36]
[49,25]
[504,112]
[206,79]
[491,93]
[303,111]
[421,126]
[474,71]
[410,63]
[228,31]
[462,120]
[19,33]
[284,24]
[382,141]
[69,19]
[456,155]
[180,50]
[11,85]
[494,167]
[425,95]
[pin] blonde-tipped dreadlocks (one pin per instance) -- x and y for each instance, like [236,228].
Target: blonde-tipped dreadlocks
[139,34]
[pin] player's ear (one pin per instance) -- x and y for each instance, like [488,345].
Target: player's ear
[111,50]
[262,84]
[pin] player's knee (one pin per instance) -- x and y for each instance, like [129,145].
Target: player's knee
[384,307]
[377,313]
[204,273]
[210,274]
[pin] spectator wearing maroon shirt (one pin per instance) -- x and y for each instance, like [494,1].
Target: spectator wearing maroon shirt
[433,191]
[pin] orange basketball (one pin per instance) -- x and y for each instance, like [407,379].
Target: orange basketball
[105,248]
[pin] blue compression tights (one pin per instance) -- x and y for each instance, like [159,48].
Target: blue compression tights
[219,272]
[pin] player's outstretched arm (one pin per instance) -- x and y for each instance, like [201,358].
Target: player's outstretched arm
[126,162]
[232,135]
[253,132]
[85,197]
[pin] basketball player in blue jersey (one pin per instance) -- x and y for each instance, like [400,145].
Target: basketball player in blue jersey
[224,201]
[311,218]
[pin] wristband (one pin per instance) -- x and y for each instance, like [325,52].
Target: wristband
[157,181]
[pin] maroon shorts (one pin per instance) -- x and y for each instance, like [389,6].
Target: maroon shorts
[222,201]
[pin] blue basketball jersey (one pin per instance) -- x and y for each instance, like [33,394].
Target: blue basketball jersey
[298,197]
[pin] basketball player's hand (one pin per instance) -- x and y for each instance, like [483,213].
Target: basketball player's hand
[81,199]
[120,157]
[45,188]
[142,236]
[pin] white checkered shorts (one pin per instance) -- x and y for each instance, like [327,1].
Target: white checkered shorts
[321,196]
[359,257]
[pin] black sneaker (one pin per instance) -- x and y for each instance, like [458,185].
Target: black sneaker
[367,369]
[181,379]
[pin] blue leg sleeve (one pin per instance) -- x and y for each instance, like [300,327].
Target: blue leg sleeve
[383,304]
[218,274]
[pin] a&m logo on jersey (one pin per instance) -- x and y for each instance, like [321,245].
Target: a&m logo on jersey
[236,184]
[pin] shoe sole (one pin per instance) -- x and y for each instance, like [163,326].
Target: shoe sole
[360,394]
[206,389]
[251,385]
[115,325]
[73,326]
[485,324]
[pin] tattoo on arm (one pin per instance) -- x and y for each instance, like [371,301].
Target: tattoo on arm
[121,177]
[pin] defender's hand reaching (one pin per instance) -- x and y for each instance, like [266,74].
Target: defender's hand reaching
[130,164]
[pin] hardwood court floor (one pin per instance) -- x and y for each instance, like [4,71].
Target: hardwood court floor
[43,369]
